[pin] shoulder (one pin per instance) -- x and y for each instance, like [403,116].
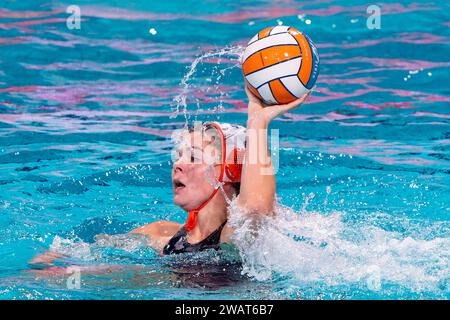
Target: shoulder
[162,228]
[159,233]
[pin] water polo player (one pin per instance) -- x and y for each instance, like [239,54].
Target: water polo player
[208,171]
[279,65]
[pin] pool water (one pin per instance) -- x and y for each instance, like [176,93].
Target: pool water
[86,115]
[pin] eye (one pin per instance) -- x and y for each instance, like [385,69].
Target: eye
[178,155]
[196,155]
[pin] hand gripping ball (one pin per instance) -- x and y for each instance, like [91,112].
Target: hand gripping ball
[280,64]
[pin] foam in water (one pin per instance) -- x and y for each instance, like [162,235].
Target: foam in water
[89,252]
[312,247]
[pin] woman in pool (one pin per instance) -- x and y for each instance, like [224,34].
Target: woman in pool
[196,172]
[253,182]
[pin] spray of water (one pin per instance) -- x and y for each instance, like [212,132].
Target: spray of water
[328,249]
[233,52]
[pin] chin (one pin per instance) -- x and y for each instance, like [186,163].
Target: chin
[184,205]
[180,203]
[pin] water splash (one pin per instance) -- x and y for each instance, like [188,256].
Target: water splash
[234,52]
[329,250]
[308,197]
[325,202]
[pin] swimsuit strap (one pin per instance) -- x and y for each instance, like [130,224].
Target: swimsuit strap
[179,244]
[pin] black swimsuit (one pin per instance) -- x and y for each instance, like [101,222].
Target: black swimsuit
[179,244]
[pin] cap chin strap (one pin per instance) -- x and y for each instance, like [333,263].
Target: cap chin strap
[191,221]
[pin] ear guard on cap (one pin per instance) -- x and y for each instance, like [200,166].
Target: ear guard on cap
[233,139]
[233,165]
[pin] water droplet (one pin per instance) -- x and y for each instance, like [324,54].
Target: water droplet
[429,74]
[152,31]
[307,21]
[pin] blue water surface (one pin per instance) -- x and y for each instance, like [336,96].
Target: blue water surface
[85,122]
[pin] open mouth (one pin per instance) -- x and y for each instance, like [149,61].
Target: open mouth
[178,185]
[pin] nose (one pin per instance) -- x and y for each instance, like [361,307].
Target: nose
[179,166]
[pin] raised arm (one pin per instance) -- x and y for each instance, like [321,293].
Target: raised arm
[258,185]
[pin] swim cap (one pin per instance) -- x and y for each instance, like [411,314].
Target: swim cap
[232,141]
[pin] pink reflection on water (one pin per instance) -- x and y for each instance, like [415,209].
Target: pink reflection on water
[23,14]
[30,23]
[425,97]
[329,117]
[335,95]
[131,15]
[378,150]
[245,13]
[14,40]
[437,123]
[23,25]
[277,11]
[430,114]
[382,106]
[330,79]
[91,91]
[391,153]
[158,93]
[330,95]
[403,37]
[136,46]
[22,89]
[84,121]
[391,64]
[105,66]
[96,66]
[415,161]
[358,124]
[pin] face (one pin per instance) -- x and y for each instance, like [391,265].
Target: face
[195,169]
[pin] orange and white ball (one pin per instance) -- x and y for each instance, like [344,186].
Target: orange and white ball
[280,64]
